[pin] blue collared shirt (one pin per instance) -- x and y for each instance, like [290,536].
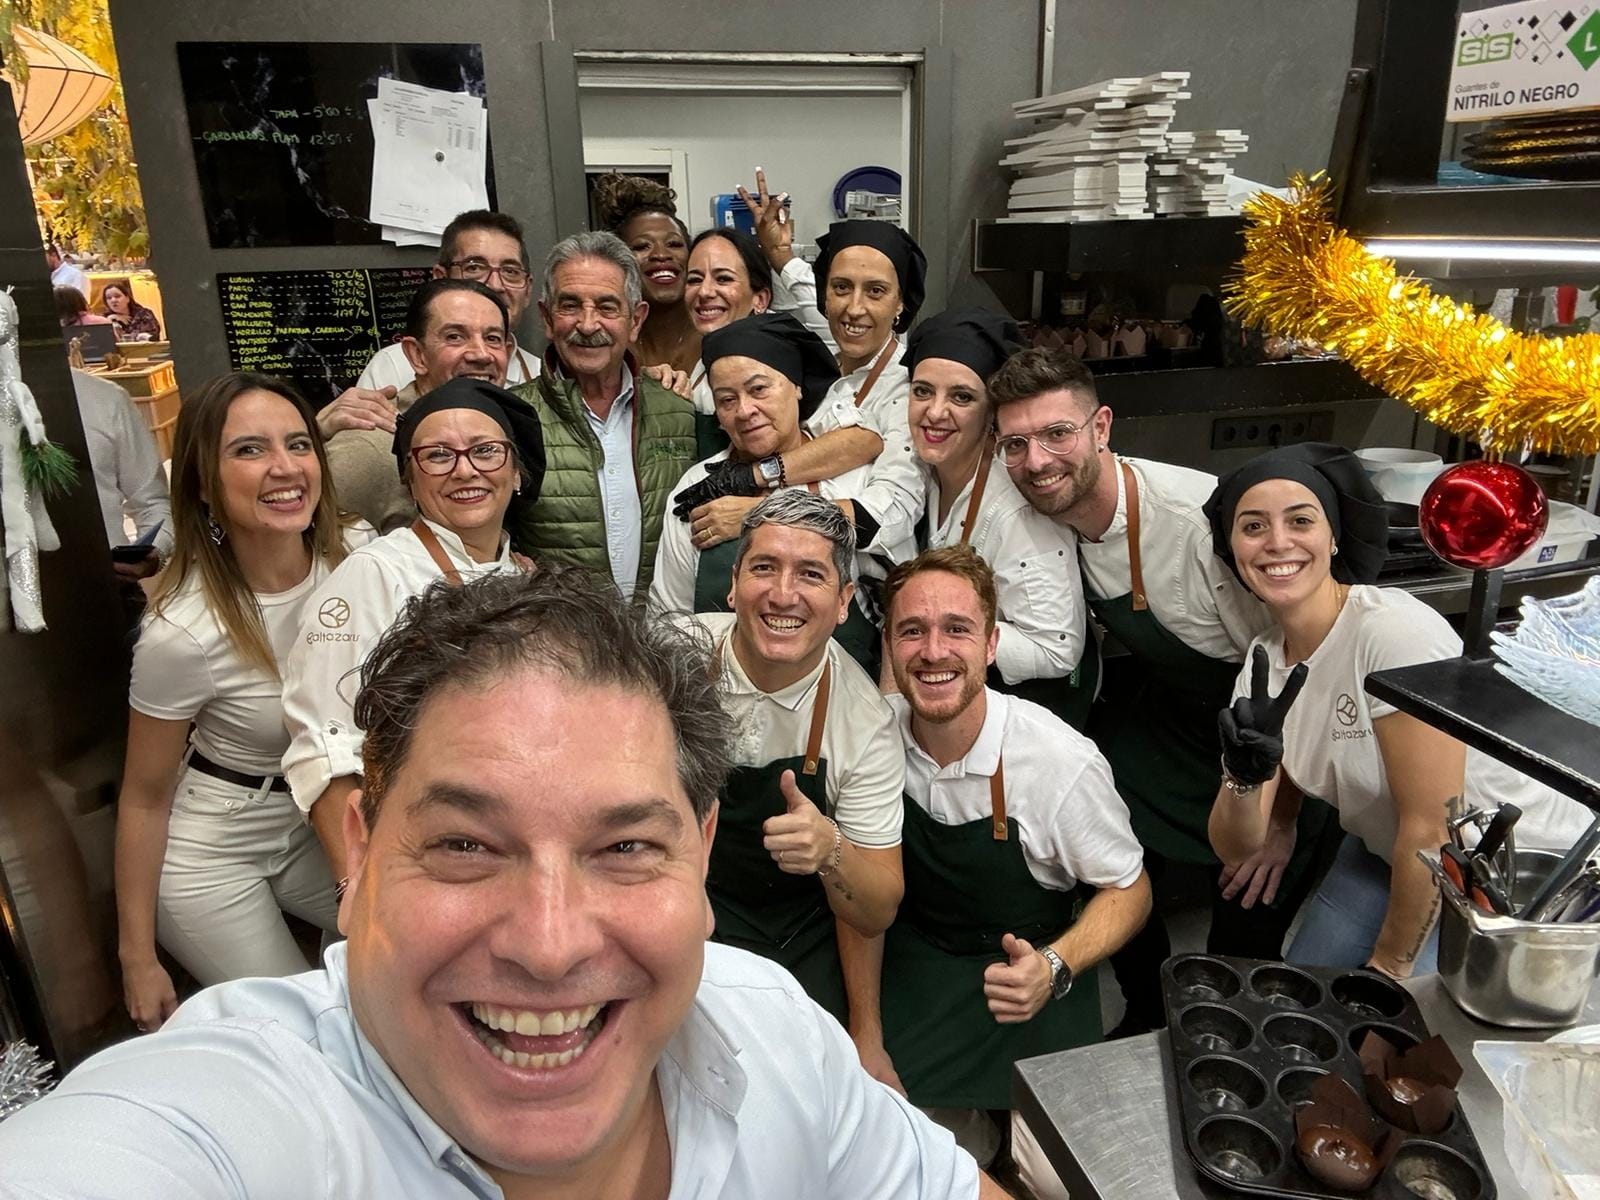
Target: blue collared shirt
[621,508]
[267,1088]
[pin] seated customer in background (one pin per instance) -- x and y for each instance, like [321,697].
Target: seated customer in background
[454,329]
[502,1022]
[73,309]
[134,322]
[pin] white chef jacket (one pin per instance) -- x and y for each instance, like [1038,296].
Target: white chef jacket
[1071,822]
[678,558]
[389,367]
[1189,590]
[1331,748]
[1035,564]
[265,1088]
[866,765]
[340,626]
[185,668]
[794,290]
[127,469]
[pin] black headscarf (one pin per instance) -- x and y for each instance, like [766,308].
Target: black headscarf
[1354,509]
[785,345]
[895,244]
[514,415]
[978,338]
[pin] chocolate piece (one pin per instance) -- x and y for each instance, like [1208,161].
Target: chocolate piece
[1337,1157]
[1405,1091]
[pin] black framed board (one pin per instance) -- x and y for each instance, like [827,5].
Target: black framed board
[316,328]
[281,136]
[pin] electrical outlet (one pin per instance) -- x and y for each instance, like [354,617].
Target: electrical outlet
[1272,429]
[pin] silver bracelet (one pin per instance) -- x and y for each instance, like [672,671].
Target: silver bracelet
[838,851]
[1234,786]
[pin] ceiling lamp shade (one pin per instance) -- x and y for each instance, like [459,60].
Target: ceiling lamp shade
[63,86]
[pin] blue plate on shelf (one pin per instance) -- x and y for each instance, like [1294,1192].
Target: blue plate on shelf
[864,179]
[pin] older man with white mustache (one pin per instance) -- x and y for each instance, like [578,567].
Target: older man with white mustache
[616,441]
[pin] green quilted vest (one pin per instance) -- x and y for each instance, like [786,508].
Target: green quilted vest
[567,524]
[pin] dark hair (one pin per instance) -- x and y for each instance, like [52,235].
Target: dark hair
[420,310]
[125,286]
[620,198]
[196,475]
[755,262]
[480,218]
[566,620]
[70,304]
[1030,373]
[960,560]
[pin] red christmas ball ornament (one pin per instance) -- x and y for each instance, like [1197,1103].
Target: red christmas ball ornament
[1482,514]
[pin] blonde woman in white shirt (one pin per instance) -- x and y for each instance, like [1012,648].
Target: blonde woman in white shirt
[210,849]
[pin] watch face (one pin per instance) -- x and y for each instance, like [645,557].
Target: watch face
[771,470]
[1062,983]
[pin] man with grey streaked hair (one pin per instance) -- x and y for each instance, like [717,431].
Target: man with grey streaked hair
[616,441]
[806,866]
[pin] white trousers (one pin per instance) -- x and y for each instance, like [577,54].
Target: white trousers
[237,859]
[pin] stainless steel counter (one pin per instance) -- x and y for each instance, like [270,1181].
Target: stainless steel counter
[1102,1117]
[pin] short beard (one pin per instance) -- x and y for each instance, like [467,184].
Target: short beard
[1080,482]
[971,686]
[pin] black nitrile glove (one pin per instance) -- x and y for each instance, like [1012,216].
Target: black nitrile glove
[726,478]
[1252,729]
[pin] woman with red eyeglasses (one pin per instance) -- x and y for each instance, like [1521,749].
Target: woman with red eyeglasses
[468,451]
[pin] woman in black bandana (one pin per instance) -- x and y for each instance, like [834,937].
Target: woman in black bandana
[468,451]
[1304,529]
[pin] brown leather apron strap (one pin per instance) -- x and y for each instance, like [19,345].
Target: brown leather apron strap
[975,501]
[865,389]
[819,718]
[1135,572]
[430,543]
[997,800]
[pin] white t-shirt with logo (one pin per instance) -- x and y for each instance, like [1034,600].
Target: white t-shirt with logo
[185,668]
[1331,751]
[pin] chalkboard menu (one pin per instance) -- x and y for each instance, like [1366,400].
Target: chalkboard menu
[282,140]
[316,328]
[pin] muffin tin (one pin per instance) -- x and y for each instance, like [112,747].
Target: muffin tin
[1249,1039]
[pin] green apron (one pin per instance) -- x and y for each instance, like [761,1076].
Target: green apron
[713,578]
[759,907]
[1160,736]
[966,886]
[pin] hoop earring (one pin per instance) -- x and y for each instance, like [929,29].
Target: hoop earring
[215,530]
[1335,549]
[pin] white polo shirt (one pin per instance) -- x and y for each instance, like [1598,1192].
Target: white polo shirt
[1035,564]
[264,1089]
[866,765]
[1190,591]
[340,625]
[1072,824]
[1331,748]
[185,668]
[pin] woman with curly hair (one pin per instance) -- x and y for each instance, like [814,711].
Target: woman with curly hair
[644,214]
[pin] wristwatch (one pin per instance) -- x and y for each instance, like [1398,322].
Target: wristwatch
[1060,974]
[770,471]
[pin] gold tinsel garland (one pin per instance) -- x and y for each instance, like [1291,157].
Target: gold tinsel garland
[1302,277]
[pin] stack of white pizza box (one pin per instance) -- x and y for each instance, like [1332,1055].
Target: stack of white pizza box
[1084,154]
[1189,174]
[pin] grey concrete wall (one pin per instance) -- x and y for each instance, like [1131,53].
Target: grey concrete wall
[1274,68]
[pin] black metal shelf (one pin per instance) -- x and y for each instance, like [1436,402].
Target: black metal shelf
[1269,385]
[1203,245]
[1471,701]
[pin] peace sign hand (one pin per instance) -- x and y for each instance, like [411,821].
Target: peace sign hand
[1252,729]
[773,229]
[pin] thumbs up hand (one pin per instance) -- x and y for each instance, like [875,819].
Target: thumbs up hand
[1017,988]
[802,839]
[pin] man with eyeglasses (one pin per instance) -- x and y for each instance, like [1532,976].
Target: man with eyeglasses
[618,441]
[1152,581]
[455,329]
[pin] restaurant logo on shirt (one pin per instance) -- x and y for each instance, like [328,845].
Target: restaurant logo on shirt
[333,614]
[1347,714]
